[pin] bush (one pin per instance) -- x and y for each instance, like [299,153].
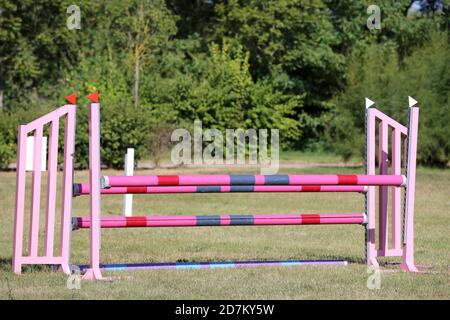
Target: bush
[8,133]
[159,141]
[122,126]
[375,72]
[9,123]
[220,91]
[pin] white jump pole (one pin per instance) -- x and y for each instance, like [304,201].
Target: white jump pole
[129,171]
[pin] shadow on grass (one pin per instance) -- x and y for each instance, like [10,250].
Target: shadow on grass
[358,260]
[6,266]
[311,257]
[352,260]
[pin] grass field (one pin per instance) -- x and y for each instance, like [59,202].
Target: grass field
[242,243]
[314,157]
[287,157]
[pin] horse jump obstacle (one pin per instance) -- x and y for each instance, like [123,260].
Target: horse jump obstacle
[401,243]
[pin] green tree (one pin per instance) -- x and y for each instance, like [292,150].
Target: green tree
[148,27]
[375,71]
[295,38]
[219,90]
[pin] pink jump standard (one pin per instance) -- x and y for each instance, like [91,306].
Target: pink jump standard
[94,200]
[36,127]
[392,241]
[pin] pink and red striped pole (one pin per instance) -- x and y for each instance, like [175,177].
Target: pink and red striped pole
[222,220]
[257,180]
[83,189]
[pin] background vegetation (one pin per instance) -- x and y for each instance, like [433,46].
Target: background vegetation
[301,66]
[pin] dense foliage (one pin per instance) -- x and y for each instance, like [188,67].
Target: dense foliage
[303,67]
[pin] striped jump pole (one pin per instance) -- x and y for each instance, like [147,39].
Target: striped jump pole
[216,265]
[256,180]
[221,220]
[83,189]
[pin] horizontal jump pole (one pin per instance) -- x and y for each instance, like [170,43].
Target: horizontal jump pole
[224,220]
[214,265]
[257,180]
[83,189]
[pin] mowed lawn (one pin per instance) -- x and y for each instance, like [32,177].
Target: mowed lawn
[241,243]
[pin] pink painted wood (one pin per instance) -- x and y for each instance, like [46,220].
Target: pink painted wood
[408,237]
[391,246]
[389,121]
[51,188]
[371,192]
[383,167]
[223,180]
[66,210]
[35,194]
[36,128]
[18,258]
[396,193]
[84,189]
[225,220]
[94,273]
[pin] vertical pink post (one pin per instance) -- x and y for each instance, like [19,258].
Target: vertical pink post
[69,150]
[396,192]
[408,236]
[371,194]
[36,193]
[20,200]
[383,148]
[51,187]
[94,199]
